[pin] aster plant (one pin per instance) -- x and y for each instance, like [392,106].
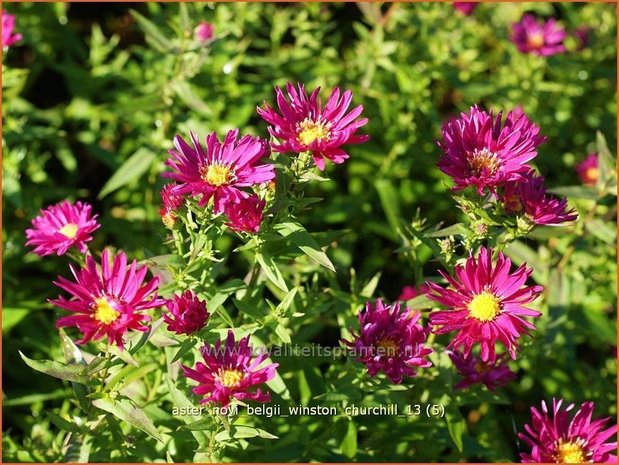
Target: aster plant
[237,198]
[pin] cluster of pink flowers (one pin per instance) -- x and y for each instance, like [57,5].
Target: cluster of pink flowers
[109,299]
[221,171]
[227,171]
[490,154]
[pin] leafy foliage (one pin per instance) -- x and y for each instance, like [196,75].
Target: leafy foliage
[92,99]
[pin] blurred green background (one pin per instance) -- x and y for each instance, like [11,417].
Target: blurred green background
[92,100]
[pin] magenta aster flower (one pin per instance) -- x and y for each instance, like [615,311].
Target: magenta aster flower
[186,313]
[588,170]
[305,126]
[221,170]
[410,292]
[481,151]
[474,370]
[390,340]
[528,197]
[555,438]
[465,8]
[204,31]
[107,302]
[486,304]
[230,372]
[540,38]
[8,25]
[246,215]
[170,204]
[62,226]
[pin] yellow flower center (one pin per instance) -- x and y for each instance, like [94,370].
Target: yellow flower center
[69,230]
[388,347]
[104,312]
[309,131]
[483,160]
[535,40]
[217,175]
[570,452]
[230,378]
[591,175]
[484,306]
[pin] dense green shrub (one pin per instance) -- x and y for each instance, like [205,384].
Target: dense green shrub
[92,98]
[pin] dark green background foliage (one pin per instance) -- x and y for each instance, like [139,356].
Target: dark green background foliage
[92,97]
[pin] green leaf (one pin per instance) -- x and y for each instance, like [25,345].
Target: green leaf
[72,353]
[253,311]
[607,179]
[370,287]
[243,432]
[271,270]
[389,199]
[520,253]
[59,370]
[125,410]
[606,232]
[65,425]
[180,401]
[286,302]
[124,355]
[599,325]
[153,35]
[349,443]
[11,317]
[456,426]
[128,374]
[134,167]
[299,236]
[187,345]
[185,20]
[575,192]
[457,229]
[282,332]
